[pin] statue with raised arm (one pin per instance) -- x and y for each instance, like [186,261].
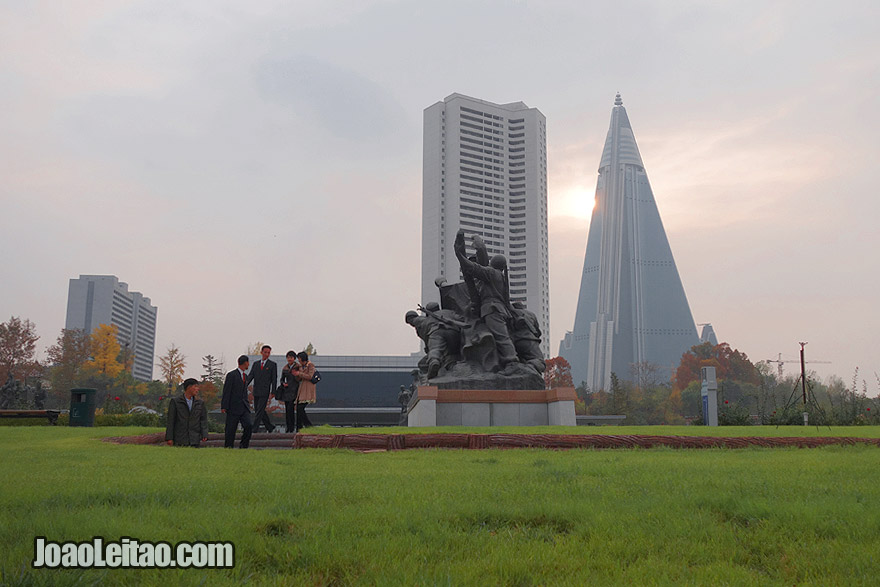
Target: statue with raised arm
[474,338]
[491,285]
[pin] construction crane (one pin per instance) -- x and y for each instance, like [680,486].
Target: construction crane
[780,362]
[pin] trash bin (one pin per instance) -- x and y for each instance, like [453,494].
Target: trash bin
[82,407]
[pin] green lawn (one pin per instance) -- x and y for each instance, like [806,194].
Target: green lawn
[514,517]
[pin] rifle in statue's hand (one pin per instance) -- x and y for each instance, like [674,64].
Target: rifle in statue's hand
[447,321]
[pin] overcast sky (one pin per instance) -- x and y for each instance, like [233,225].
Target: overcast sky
[255,168]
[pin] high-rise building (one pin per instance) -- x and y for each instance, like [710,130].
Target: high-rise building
[93,300]
[632,311]
[485,171]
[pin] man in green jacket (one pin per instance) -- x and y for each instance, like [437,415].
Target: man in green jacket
[187,417]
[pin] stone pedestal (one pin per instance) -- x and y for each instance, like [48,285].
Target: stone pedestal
[492,407]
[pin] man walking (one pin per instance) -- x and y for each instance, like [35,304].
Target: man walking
[234,404]
[264,374]
[187,417]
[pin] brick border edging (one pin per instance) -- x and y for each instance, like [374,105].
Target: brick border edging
[373,442]
[559,441]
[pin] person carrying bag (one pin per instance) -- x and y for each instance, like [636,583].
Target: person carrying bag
[307,389]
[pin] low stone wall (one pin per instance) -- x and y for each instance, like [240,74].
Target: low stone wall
[492,407]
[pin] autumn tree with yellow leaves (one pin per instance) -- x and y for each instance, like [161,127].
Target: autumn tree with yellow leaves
[172,364]
[105,351]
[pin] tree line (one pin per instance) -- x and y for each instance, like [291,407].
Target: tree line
[93,360]
[748,393]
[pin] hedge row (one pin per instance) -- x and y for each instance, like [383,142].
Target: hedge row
[149,420]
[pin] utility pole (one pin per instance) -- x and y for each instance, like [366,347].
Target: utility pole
[804,381]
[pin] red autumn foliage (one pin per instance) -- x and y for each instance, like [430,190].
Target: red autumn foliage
[557,373]
[209,393]
[730,365]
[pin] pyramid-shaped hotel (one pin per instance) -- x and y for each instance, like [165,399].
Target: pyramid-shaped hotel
[632,309]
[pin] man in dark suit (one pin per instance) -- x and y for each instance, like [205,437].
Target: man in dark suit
[187,417]
[264,374]
[235,405]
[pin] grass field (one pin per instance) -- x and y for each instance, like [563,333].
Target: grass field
[516,517]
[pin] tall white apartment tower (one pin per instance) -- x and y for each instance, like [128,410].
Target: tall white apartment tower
[484,170]
[93,300]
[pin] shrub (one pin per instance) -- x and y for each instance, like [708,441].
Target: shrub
[146,420]
[733,415]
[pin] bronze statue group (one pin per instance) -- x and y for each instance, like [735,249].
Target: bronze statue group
[188,419]
[478,329]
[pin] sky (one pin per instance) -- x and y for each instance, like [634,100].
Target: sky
[255,168]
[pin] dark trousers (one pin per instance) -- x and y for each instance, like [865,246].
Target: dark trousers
[260,415]
[302,419]
[232,421]
[290,416]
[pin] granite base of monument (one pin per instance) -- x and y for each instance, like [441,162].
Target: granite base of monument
[515,376]
[432,406]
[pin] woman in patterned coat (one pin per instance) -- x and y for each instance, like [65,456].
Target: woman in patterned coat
[307,389]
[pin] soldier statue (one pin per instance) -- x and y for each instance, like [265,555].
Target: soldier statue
[491,285]
[527,337]
[441,334]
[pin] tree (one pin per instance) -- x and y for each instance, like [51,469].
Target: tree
[692,401]
[310,350]
[254,349]
[621,395]
[557,373]
[645,374]
[172,365]
[213,370]
[209,392]
[105,349]
[155,396]
[67,357]
[126,358]
[730,364]
[18,344]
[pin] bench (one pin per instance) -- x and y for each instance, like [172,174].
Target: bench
[51,415]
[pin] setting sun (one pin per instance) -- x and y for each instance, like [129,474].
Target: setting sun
[577,201]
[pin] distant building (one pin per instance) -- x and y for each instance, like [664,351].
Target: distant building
[358,381]
[484,170]
[632,308]
[93,300]
[707,334]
